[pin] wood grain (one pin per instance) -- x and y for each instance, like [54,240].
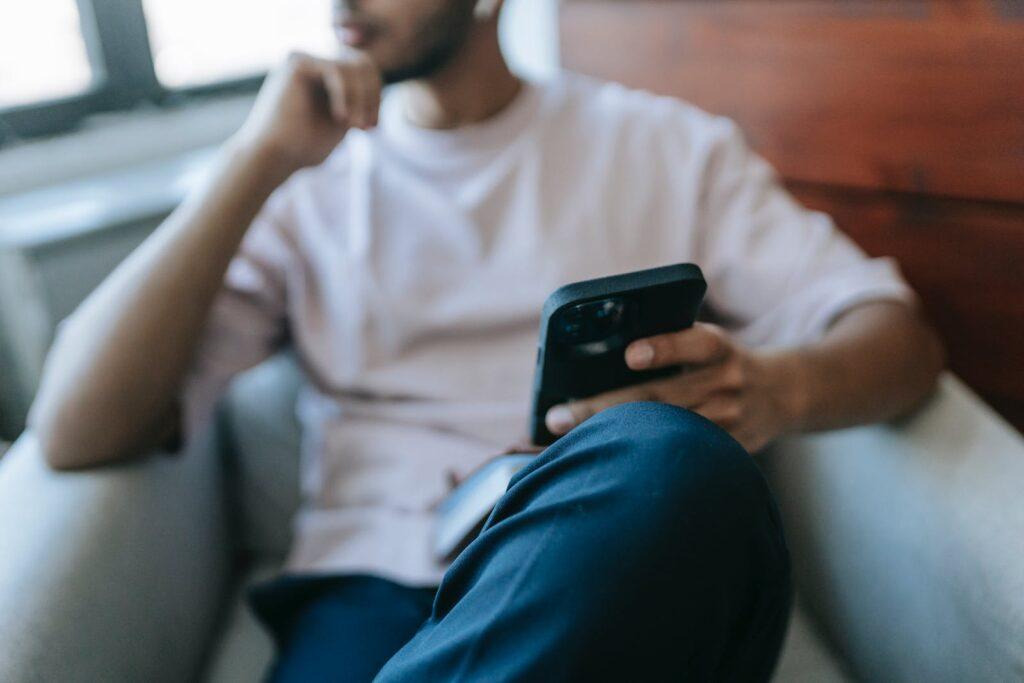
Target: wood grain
[824,87]
[965,260]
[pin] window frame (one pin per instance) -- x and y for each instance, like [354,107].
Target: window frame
[124,76]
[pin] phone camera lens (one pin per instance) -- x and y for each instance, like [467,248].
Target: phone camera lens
[609,312]
[593,321]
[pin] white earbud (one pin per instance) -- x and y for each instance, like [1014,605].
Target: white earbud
[485,9]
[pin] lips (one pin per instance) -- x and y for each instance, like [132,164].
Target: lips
[355,33]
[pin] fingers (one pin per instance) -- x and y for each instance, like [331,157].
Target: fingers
[702,344]
[355,94]
[338,98]
[725,410]
[692,388]
[353,86]
[364,81]
[713,387]
[562,418]
[373,85]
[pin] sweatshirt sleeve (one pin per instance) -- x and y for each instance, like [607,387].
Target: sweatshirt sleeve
[248,320]
[778,274]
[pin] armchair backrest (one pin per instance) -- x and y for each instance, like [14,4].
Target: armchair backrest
[262,433]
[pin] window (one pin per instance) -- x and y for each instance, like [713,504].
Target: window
[62,60]
[187,36]
[42,53]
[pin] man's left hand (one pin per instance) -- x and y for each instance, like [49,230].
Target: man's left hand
[750,394]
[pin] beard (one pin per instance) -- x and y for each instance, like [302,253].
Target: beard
[438,39]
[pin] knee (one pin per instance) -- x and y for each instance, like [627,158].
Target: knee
[664,439]
[671,462]
[683,484]
[659,425]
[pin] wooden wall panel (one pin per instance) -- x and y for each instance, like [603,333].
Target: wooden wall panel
[904,119]
[824,86]
[966,260]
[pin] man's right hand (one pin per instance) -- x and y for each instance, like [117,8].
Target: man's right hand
[308,104]
[94,404]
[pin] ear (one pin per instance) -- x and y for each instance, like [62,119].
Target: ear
[486,9]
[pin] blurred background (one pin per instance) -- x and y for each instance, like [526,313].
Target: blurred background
[902,118]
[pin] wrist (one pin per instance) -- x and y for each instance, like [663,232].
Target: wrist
[791,390]
[265,162]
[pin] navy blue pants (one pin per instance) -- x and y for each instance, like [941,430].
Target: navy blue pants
[643,546]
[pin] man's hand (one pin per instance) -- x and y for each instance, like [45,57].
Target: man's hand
[308,104]
[94,404]
[749,394]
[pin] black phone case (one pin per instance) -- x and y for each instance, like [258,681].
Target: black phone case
[586,327]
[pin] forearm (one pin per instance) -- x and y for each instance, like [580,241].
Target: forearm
[115,369]
[877,361]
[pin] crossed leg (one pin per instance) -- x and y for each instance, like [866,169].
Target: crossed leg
[643,546]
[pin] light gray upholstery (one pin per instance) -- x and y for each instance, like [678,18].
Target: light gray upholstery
[110,575]
[260,423]
[907,542]
[243,649]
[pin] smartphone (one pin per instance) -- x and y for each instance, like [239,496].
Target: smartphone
[586,327]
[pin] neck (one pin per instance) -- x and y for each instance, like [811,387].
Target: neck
[474,86]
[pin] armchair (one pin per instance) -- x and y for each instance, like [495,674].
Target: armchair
[907,538]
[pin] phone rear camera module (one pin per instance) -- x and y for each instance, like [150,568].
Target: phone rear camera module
[594,327]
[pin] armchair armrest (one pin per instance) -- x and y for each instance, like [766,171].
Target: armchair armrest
[113,574]
[908,540]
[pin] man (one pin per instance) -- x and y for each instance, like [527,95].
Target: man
[407,263]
